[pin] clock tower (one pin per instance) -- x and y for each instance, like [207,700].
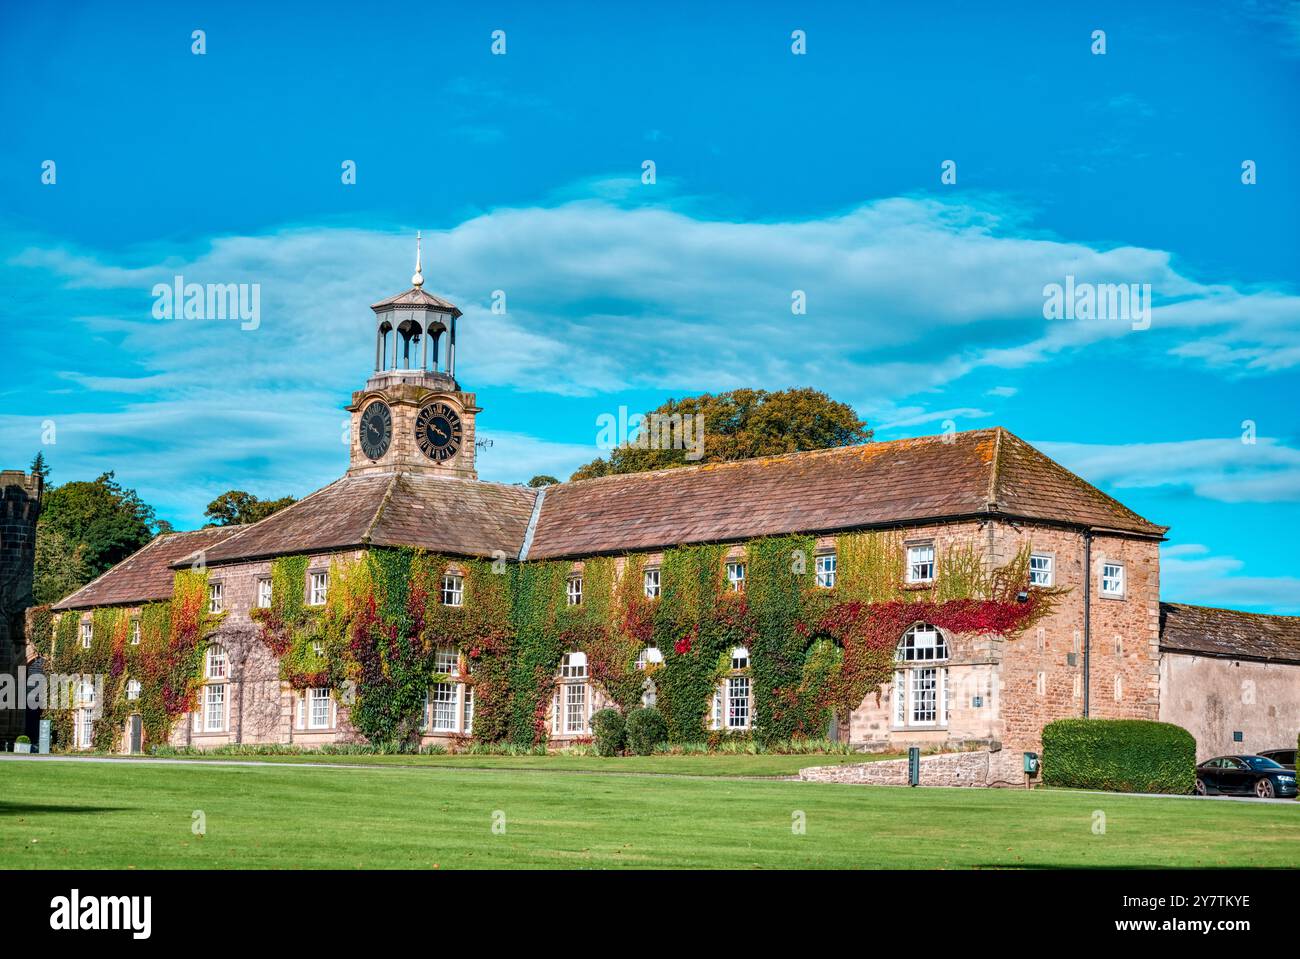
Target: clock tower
[412,415]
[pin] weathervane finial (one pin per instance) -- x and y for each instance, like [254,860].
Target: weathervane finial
[417,280]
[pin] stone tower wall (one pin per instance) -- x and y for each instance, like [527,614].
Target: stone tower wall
[20,505]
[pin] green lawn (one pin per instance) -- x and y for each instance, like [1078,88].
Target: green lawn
[68,814]
[705,764]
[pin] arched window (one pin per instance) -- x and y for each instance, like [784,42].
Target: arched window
[921,679]
[571,707]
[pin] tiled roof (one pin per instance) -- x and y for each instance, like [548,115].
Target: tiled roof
[984,472]
[457,516]
[990,472]
[417,297]
[1208,631]
[146,575]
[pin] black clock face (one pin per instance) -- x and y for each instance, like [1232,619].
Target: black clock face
[376,429]
[437,431]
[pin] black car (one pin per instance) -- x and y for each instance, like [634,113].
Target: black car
[1244,775]
[1283,757]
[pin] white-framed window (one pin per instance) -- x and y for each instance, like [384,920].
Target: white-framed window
[736,577]
[733,703]
[87,633]
[215,662]
[737,702]
[575,708]
[84,734]
[133,689]
[317,647]
[214,708]
[651,582]
[449,705]
[1042,569]
[570,708]
[446,660]
[649,656]
[86,693]
[921,679]
[824,570]
[1112,579]
[135,632]
[453,590]
[319,703]
[318,588]
[264,593]
[920,563]
[574,590]
[216,597]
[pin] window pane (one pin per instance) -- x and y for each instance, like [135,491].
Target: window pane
[575,707]
[442,697]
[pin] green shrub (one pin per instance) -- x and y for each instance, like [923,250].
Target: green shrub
[1120,755]
[646,729]
[23,739]
[610,730]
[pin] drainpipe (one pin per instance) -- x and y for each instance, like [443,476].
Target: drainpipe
[1087,618]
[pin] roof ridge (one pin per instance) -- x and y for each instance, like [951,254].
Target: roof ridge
[1229,609]
[995,470]
[822,451]
[379,510]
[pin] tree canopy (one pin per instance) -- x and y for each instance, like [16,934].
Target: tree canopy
[236,506]
[542,479]
[738,424]
[84,528]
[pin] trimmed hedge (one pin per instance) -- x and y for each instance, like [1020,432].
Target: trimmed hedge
[1119,755]
[646,729]
[609,731]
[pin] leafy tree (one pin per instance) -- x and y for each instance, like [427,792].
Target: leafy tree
[236,506]
[542,479]
[96,524]
[41,468]
[738,424]
[60,567]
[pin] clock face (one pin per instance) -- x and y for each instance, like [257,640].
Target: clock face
[376,429]
[438,432]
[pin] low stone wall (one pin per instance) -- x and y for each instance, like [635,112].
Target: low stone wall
[944,769]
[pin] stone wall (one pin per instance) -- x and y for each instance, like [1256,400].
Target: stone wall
[20,505]
[1212,697]
[944,769]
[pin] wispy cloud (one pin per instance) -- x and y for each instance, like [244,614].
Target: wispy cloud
[1191,573]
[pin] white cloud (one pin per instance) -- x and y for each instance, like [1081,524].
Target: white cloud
[1189,573]
[1226,470]
[904,297]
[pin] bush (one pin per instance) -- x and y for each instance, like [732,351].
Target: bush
[646,729]
[23,739]
[610,731]
[1120,755]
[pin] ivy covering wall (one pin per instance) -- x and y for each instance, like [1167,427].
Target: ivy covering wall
[167,663]
[813,652]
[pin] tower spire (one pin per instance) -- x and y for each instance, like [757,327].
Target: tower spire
[417,280]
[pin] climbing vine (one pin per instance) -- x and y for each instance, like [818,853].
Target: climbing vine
[815,652]
[166,661]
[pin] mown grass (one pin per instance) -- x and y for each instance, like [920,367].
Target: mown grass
[706,764]
[70,814]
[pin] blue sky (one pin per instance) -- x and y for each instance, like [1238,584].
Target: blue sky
[775,172]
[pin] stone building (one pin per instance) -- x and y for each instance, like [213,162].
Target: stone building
[411,482]
[20,499]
